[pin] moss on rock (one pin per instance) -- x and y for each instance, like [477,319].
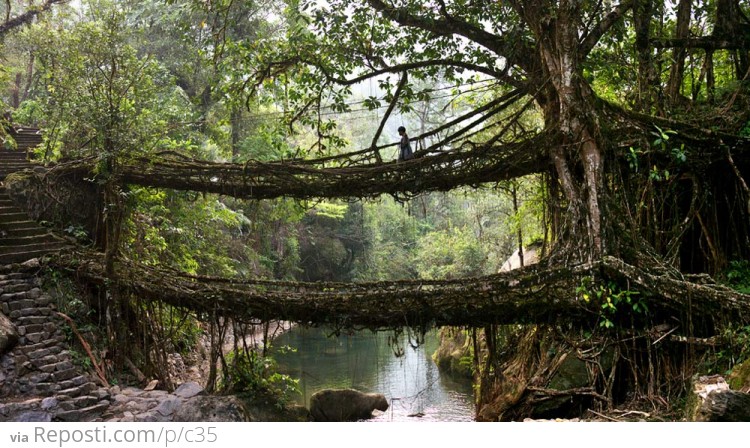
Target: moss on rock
[454,354]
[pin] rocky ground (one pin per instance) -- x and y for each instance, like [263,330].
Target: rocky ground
[188,403]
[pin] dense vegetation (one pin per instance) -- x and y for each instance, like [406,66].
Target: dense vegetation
[638,113]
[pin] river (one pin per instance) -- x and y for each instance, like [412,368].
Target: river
[365,361]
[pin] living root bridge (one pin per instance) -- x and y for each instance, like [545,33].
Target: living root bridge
[346,176]
[534,294]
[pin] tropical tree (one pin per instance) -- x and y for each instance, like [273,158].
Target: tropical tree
[550,53]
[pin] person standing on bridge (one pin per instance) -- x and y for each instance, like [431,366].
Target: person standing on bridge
[405,152]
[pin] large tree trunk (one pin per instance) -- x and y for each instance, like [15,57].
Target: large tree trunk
[578,156]
[678,64]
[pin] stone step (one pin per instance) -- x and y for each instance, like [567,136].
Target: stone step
[82,415]
[5,172]
[26,240]
[18,224]
[12,154]
[16,276]
[10,208]
[18,257]
[9,159]
[15,166]
[76,387]
[7,209]
[28,137]
[52,245]
[9,168]
[11,285]
[47,245]
[13,217]
[22,229]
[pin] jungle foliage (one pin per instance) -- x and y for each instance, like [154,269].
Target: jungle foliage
[628,119]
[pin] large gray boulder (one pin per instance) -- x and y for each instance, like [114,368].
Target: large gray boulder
[713,401]
[345,405]
[8,335]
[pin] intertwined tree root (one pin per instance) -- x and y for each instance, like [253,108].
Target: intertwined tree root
[533,294]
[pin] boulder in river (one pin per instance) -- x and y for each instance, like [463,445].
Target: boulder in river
[345,405]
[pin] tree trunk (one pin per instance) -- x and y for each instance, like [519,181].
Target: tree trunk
[15,98]
[728,26]
[678,64]
[519,232]
[236,122]
[29,77]
[578,157]
[642,12]
[728,15]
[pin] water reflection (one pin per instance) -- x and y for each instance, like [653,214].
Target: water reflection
[365,361]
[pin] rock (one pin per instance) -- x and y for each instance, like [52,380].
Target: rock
[265,409]
[156,394]
[530,256]
[713,401]
[102,393]
[168,406]
[152,385]
[49,403]
[724,406]
[34,416]
[189,390]
[138,405]
[454,354]
[82,415]
[120,398]
[31,264]
[343,405]
[739,379]
[8,334]
[149,417]
[205,408]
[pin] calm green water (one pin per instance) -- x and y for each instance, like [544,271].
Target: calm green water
[365,361]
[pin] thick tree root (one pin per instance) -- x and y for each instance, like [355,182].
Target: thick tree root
[534,294]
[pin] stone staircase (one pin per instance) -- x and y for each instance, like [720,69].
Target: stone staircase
[21,239]
[18,159]
[38,379]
